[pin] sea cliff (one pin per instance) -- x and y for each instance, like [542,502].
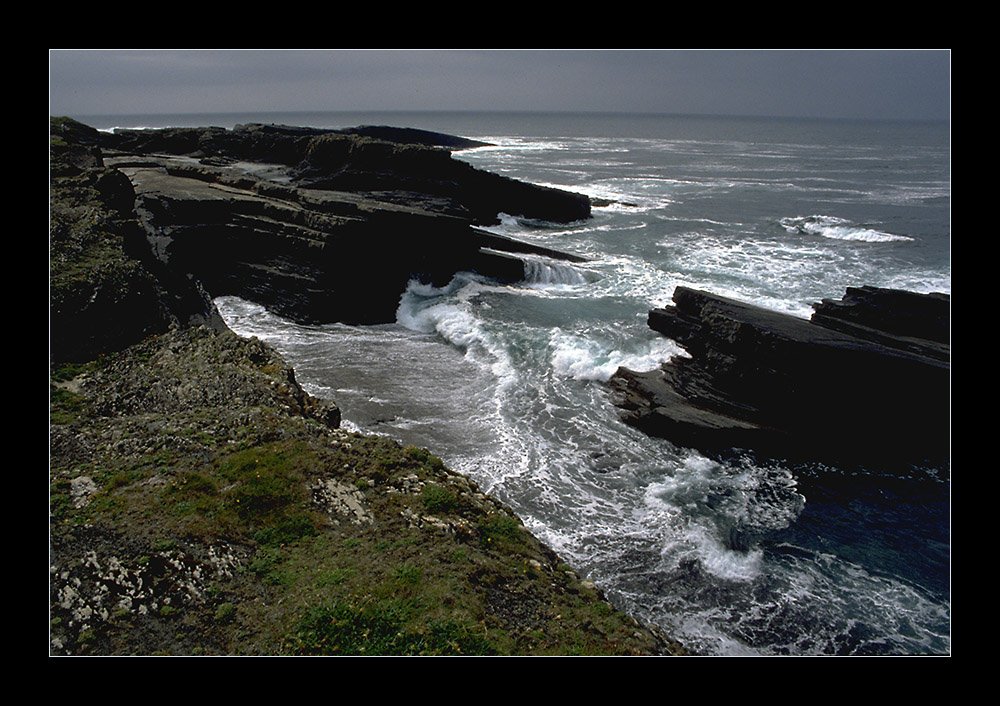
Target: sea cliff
[201,502]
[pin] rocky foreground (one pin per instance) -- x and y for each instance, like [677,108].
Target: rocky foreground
[865,381]
[200,501]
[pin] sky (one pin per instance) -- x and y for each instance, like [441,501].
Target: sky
[879,84]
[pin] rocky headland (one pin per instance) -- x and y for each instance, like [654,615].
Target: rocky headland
[866,380]
[201,502]
[322,225]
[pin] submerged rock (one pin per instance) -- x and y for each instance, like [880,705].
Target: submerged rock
[866,379]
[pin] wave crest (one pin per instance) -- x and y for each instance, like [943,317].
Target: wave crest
[584,359]
[838,229]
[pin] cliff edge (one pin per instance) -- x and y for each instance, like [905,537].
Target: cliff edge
[202,503]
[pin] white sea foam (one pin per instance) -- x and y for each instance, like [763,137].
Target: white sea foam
[113,128]
[630,194]
[547,233]
[723,562]
[694,537]
[838,229]
[428,309]
[503,145]
[724,507]
[542,272]
[586,359]
[445,311]
[249,319]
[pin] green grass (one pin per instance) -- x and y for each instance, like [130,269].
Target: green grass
[438,499]
[66,407]
[501,531]
[260,492]
[346,628]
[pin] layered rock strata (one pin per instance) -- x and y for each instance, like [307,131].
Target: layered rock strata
[200,501]
[320,225]
[107,289]
[867,378]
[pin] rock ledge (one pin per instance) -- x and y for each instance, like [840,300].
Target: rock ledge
[867,378]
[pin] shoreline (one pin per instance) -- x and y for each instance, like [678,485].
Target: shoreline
[202,503]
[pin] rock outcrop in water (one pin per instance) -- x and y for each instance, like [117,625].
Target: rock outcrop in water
[866,379]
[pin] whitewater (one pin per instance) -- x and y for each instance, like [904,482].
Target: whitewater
[507,383]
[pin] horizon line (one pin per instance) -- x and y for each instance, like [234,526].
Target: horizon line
[523,111]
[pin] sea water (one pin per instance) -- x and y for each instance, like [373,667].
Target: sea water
[507,383]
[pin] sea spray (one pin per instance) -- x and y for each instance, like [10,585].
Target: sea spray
[727,509]
[584,358]
[446,312]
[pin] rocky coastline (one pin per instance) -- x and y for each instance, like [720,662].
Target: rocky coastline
[200,501]
[866,380]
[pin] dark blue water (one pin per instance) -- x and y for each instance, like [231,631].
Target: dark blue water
[506,383]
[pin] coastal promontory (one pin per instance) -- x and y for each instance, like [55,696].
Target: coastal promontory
[201,502]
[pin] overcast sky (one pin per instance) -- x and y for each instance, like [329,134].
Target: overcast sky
[797,83]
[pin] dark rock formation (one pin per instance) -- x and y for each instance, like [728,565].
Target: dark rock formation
[866,379]
[413,136]
[399,165]
[106,289]
[323,225]
[921,322]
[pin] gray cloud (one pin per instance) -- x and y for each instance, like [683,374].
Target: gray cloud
[812,83]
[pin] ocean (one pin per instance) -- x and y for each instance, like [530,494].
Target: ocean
[507,383]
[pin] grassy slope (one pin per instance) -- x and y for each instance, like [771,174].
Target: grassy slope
[201,503]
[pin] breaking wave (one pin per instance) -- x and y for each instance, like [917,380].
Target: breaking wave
[838,229]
